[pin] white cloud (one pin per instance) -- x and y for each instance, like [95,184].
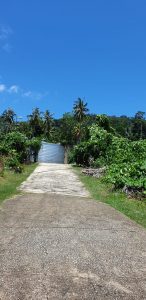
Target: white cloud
[5,32]
[2,88]
[27,94]
[7,47]
[34,95]
[14,89]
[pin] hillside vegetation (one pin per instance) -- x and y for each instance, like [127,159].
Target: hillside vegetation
[125,160]
[118,143]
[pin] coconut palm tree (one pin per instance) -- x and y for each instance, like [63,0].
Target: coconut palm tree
[35,123]
[9,116]
[48,123]
[80,109]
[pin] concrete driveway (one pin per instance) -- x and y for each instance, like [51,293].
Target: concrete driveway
[54,178]
[56,246]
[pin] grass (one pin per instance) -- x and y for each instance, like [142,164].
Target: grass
[10,181]
[134,209]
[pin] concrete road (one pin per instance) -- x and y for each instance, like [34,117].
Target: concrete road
[54,178]
[65,247]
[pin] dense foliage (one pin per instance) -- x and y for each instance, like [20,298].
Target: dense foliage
[125,160]
[16,149]
[119,143]
[72,128]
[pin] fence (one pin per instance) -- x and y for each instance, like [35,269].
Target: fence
[51,153]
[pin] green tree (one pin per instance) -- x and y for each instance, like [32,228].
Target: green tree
[24,128]
[103,121]
[122,125]
[36,123]
[80,110]
[66,129]
[48,124]
[8,118]
[34,145]
[81,131]
[140,115]
[18,142]
[139,126]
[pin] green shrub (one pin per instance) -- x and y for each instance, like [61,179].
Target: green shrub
[125,160]
[127,164]
[1,166]
[18,142]
[34,146]
[17,149]
[99,162]
[12,160]
[127,174]
[71,156]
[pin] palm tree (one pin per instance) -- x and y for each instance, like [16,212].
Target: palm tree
[80,109]
[48,123]
[80,132]
[35,123]
[8,118]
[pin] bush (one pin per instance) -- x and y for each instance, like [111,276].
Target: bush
[71,156]
[17,149]
[1,166]
[127,164]
[127,174]
[95,149]
[12,161]
[84,153]
[18,142]
[125,160]
[34,146]
[99,162]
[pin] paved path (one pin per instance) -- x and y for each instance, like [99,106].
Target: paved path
[54,178]
[65,247]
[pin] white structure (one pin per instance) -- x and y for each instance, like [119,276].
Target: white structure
[51,153]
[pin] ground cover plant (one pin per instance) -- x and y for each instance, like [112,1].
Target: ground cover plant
[101,191]
[10,181]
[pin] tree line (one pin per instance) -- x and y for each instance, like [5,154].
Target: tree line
[116,143]
[72,127]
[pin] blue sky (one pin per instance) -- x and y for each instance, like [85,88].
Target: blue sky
[54,51]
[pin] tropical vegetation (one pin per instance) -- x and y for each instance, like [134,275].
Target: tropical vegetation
[101,191]
[118,143]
